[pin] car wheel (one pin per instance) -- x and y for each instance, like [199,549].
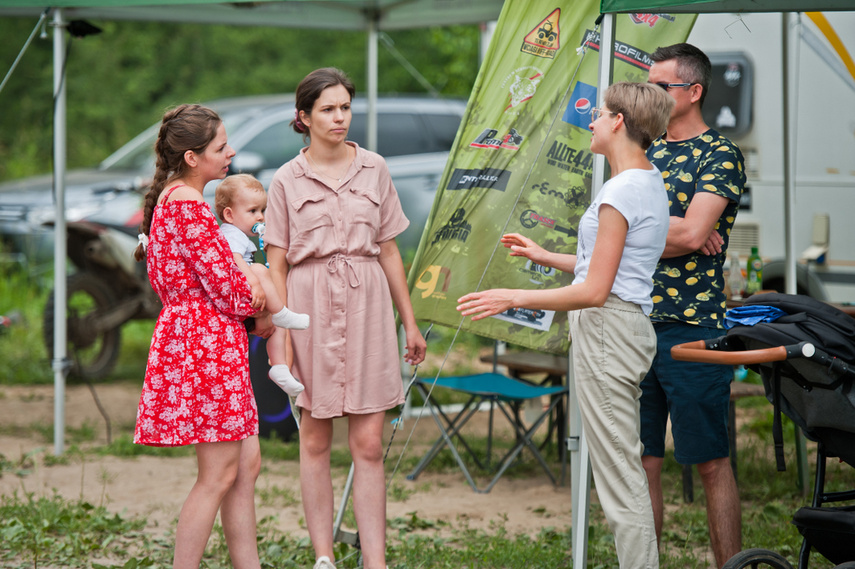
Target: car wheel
[93,351]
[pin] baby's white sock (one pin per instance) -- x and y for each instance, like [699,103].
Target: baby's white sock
[288,319]
[281,376]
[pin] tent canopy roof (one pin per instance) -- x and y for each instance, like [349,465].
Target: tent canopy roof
[325,14]
[714,6]
[357,14]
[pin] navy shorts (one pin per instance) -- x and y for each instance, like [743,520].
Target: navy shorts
[695,395]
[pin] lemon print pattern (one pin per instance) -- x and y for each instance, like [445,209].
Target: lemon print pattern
[689,288]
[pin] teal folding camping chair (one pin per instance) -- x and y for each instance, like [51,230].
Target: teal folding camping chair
[499,391]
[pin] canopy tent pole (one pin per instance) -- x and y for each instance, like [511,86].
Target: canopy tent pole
[605,73]
[580,473]
[580,464]
[59,363]
[371,118]
[791,27]
[789,51]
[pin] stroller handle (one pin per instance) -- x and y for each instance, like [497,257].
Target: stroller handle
[705,351]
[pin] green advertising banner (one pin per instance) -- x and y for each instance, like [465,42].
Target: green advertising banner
[521,162]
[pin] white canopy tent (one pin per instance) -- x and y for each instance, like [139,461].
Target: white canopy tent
[371,16]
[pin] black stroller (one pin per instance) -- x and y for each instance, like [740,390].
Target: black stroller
[807,361]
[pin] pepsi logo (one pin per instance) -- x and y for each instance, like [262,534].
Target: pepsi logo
[583,106]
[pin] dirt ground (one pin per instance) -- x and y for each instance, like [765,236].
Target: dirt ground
[155,487]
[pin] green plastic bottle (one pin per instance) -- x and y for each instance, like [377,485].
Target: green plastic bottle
[754,282]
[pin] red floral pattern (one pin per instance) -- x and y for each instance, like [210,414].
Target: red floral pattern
[197,386]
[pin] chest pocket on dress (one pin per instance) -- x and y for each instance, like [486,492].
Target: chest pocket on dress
[312,213]
[365,206]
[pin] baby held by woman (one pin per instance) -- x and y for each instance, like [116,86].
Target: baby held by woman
[240,203]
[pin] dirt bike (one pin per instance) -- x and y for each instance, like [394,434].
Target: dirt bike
[108,289]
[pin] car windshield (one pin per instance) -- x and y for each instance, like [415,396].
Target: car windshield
[261,129]
[138,154]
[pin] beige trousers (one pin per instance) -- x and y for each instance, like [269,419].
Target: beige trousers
[613,348]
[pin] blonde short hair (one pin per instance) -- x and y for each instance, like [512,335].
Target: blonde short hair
[646,109]
[229,188]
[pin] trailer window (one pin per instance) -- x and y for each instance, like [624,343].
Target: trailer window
[727,107]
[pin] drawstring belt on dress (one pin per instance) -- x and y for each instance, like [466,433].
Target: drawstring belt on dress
[333,261]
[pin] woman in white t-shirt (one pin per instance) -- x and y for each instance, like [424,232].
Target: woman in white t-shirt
[621,237]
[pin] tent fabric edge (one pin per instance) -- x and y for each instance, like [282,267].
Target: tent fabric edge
[718,6]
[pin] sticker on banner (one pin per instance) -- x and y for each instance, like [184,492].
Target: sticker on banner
[582,100]
[523,85]
[432,278]
[531,318]
[542,41]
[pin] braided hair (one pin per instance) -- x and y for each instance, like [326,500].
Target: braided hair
[186,127]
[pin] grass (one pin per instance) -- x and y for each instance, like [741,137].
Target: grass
[55,531]
[22,349]
[124,446]
[51,530]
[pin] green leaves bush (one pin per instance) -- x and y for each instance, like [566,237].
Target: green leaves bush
[51,530]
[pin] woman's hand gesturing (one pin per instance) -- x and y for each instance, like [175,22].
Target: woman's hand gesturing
[485,303]
[522,246]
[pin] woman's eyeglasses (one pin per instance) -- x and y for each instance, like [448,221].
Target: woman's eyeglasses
[597,112]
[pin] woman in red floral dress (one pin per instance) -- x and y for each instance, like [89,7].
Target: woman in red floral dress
[197,388]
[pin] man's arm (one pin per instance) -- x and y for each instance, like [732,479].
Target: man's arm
[692,232]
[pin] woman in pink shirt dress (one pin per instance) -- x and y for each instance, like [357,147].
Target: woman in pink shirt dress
[197,389]
[332,218]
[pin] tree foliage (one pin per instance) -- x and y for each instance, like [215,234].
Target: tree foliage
[121,80]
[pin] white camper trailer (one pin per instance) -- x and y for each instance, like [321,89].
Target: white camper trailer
[746,104]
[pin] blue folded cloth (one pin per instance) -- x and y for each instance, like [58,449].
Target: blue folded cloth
[749,315]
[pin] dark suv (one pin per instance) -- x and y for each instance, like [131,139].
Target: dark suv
[414,135]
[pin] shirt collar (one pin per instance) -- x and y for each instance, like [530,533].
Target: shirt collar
[362,160]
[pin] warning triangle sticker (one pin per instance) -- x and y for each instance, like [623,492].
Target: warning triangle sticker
[542,41]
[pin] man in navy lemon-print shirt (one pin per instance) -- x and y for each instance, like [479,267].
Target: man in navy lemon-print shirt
[704,176]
